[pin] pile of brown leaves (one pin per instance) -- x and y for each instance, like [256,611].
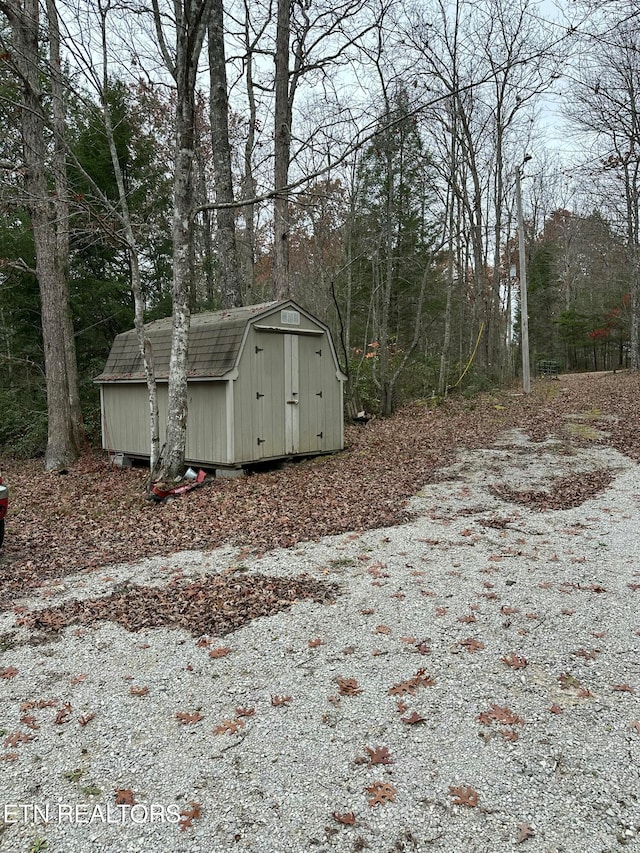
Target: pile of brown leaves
[96,515]
[565,492]
[208,607]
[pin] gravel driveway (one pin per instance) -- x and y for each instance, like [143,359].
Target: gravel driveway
[471,684]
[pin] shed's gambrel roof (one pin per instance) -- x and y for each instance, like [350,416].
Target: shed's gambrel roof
[215,339]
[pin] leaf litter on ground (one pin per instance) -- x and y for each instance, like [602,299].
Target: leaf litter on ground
[97,515]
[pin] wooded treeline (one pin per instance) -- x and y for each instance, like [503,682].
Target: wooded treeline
[358,157]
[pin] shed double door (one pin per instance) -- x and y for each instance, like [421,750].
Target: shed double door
[289,394]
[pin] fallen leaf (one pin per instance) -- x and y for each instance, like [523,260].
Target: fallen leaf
[348,818]
[39,704]
[86,719]
[379,755]
[138,691]
[313,644]
[500,714]
[555,709]
[17,738]
[78,679]
[9,672]
[623,688]
[587,654]
[514,661]
[245,712]
[348,687]
[229,727]
[464,795]
[524,832]
[413,719]
[383,629]
[382,793]
[220,652]
[471,644]
[567,680]
[124,797]
[276,701]
[184,717]
[510,734]
[64,714]
[189,815]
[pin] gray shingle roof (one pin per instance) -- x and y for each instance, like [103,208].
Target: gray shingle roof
[214,345]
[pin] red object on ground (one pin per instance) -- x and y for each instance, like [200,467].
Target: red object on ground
[161,494]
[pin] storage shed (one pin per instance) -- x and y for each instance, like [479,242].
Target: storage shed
[263,383]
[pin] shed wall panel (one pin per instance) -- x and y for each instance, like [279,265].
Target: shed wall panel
[314,393]
[207,423]
[126,417]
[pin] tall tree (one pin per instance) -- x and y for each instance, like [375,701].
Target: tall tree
[49,233]
[229,271]
[311,40]
[396,193]
[189,30]
[606,104]
[131,243]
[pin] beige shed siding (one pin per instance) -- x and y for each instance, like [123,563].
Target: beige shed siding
[207,424]
[125,426]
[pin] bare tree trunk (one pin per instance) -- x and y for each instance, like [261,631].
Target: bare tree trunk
[190,29]
[144,344]
[446,342]
[248,181]
[633,235]
[61,446]
[229,279]
[282,154]
[62,216]
[207,230]
[177,406]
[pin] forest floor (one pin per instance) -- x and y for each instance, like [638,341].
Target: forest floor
[96,514]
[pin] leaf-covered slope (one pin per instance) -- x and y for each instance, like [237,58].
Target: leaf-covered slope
[96,514]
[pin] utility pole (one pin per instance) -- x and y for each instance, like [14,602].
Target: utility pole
[524,311]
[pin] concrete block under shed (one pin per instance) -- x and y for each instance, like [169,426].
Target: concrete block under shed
[230,473]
